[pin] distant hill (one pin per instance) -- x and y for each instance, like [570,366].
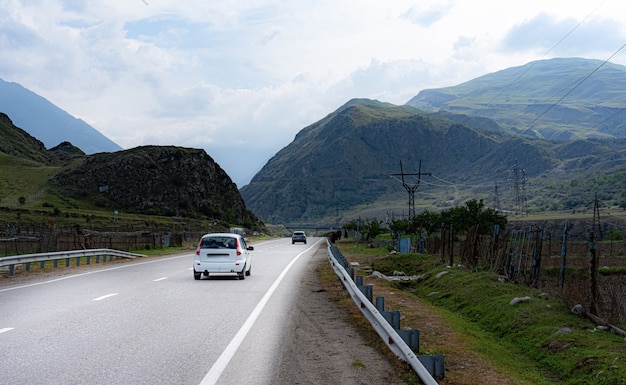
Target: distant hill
[343,166]
[560,99]
[50,124]
[166,181]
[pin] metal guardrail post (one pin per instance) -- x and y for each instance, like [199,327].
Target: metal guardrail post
[387,333]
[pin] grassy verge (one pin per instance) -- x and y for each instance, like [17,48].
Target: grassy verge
[535,342]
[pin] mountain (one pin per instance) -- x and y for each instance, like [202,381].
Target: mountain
[348,165]
[152,180]
[160,180]
[50,124]
[560,99]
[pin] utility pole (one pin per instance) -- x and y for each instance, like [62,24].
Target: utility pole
[411,188]
[593,259]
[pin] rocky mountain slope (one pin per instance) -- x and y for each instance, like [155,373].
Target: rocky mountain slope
[161,180]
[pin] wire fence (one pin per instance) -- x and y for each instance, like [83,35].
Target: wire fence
[545,260]
[29,239]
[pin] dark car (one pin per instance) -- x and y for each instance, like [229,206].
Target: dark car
[298,236]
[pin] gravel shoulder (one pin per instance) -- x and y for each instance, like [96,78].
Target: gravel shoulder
[323,347]
[330,341]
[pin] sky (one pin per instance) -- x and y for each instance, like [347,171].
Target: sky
[240,79]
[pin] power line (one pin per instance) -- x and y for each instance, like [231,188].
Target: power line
[576,86]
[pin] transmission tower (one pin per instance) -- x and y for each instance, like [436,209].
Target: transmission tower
[519,188]
[411,188]
[497,198]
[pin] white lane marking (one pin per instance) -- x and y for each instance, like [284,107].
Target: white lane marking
[218,367]
[160,279]
[104,297]
[6,330]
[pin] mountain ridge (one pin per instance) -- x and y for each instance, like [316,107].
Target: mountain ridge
[51,125]
[560,98]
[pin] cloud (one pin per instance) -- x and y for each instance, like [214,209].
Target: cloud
[426,15]
[564,37]
[243,77]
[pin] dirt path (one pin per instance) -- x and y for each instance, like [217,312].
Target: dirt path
[331,343]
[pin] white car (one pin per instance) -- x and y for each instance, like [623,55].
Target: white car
[222,253]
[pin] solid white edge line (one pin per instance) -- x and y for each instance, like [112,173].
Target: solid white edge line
[104,297]
[6,330]
[218,367]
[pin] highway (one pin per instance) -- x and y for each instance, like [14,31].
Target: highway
[147,321]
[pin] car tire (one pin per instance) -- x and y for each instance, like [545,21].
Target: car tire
[196,275]
[249,271]
[242,275]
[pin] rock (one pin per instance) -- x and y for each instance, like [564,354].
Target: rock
[578,309]
[563,331]
[517,300]
[441,274]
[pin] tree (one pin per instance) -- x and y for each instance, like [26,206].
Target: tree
[474,220]
[429,221]
[399,226]
[369,228]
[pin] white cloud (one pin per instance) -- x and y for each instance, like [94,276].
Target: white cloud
[246,76]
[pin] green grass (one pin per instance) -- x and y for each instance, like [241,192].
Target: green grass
[522,339]
[22,178]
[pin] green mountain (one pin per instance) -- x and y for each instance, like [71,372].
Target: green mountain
[561,99]
[345,166]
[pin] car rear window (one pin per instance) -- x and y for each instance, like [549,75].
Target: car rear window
[219,243]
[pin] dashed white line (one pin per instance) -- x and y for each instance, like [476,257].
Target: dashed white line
[6,330]
[160,279]
[104,297]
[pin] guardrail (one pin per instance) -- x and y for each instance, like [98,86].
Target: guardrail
[42,258]
[384,329]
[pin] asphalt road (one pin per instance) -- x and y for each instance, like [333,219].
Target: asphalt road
[149,322]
